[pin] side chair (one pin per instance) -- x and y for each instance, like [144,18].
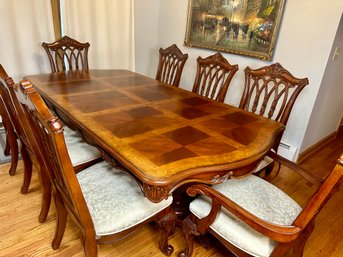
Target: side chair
[213,77]
[105,203]
[271,91]
[82,154]
[171,63]
[67,54]
[252,217]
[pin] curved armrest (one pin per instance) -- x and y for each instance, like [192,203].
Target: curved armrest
[274,231]
[310,176]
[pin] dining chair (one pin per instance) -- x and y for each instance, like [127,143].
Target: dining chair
[213,77]
[171,63]
[252,217]
[67,54]
[271,91]
[105,203]
[82,154]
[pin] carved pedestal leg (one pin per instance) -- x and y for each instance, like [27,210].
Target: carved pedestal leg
[167,224]
[189,230]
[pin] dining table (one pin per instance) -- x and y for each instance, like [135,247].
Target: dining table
[165,136]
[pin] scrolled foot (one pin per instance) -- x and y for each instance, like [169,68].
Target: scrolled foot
[168,250]
[183,254]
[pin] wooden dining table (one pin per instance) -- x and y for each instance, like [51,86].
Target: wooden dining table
[163,135]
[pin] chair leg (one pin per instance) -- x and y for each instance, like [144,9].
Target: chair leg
[189,230]
[27,170]
[271,171]
[298,247]
[7,150]
[46,195]
[90,247]
[61,221]
[13,144]
[167,224]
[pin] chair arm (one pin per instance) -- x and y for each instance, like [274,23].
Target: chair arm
[310,176]
[274,231]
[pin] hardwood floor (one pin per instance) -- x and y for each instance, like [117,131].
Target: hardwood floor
[22,235]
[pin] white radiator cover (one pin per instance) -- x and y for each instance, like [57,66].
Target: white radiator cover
[288,151]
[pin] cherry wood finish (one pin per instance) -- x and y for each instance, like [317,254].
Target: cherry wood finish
[213,77]
[29,149]
[21,234]
[171,64]
[165,136]
[289,238]
[69,200]
[5,110]
[67,54]
[271,91]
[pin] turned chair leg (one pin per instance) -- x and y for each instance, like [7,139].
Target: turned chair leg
[61,221]
[167,224]
[27,170]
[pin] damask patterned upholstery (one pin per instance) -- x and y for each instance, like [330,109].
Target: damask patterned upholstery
[114,199]
[79,151]
[258,197]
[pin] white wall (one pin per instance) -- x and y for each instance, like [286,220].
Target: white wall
[307,32]
[328,108]
[146,23]
[24,26]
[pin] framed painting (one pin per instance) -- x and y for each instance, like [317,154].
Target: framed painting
[244,27]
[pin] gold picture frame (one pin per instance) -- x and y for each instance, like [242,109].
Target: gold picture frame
[244,27]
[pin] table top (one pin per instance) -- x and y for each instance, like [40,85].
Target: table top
[163,134]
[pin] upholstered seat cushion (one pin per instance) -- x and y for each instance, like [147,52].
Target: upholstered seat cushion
[79,151]
[115,200]
[258,197]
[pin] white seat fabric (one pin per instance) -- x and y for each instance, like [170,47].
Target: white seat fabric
[260,198]
[79,151]
[114,199]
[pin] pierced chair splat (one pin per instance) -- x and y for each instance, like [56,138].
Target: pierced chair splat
[67,54]
[271,91]
[213,77]
[171,63]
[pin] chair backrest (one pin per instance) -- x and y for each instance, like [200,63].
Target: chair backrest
[48,133]
[67,54]
[6,83]
[271,91]
[171,64]
[4,104]
[213,77]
